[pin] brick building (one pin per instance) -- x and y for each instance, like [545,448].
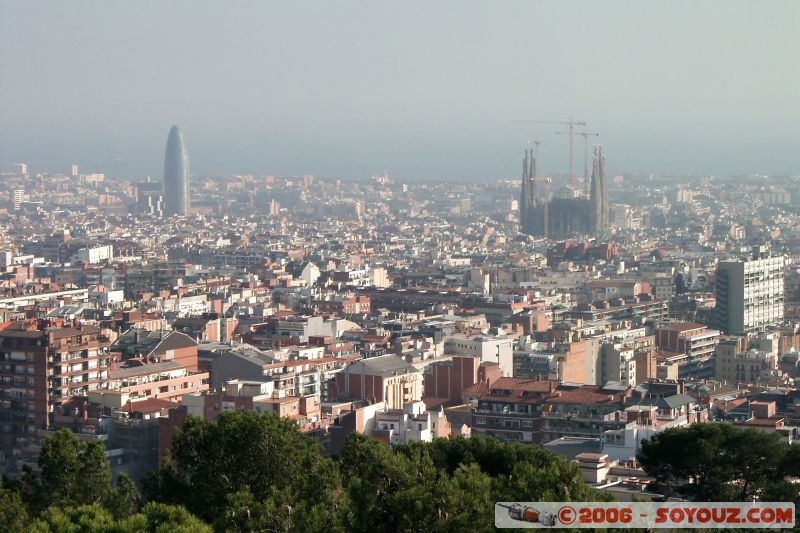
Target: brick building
[386,378]
[42,365]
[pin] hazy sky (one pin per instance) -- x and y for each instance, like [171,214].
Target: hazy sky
[422,89]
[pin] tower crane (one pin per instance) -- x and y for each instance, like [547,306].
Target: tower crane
[585,134]
[570,124]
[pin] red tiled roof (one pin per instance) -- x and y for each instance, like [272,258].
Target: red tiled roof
[149,405]
[585,395]
[523,384]
[432,402]
[760,422]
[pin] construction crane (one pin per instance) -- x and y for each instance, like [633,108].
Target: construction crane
[585,134]
[570,124]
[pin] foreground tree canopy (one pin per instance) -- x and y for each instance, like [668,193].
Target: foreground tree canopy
[251,472]
[720,462]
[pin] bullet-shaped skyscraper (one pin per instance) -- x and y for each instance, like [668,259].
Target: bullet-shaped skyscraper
[176,175]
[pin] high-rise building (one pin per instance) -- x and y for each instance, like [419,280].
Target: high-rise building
[749,294]
[563,217]
[176,175]
[20,168]
[17,197]
[40,367]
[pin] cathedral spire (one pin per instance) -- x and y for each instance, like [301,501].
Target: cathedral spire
[524,195]
[599,191]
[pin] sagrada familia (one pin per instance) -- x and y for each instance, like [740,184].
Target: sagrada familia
[559,218]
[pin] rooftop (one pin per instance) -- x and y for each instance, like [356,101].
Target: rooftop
[384,365]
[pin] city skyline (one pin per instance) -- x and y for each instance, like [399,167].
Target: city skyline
[432,97]
[354,297]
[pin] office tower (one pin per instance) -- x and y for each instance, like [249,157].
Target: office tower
[73,171]
[749,294]
[176,175]
[20,168]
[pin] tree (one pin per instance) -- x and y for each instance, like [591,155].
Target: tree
[719,462]
[161,518]
[449,484]
[323,510]
[467,500]
[251,472]
[155,517]
[244,513]
[82,519]
[124,499]
[242,450]
[13,514]
[378,482]
[519,472]
[73,472]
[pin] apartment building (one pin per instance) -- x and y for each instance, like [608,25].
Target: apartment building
[581,411]
[689,347]
[647,417]
[493,349]
[509,409]
[749,294]
[42,365]
[386,378]
[412,423]
[448,379]
[167,380]
[753,366]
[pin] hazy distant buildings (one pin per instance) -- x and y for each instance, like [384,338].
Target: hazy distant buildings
[176,175]
[562,217]
[749,294]
[149,198]
[17,197]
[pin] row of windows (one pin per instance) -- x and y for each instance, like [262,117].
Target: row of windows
[510,424]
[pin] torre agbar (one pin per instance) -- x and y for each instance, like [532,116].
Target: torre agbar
[176,174]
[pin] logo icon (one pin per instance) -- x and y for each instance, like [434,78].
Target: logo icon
[532,515]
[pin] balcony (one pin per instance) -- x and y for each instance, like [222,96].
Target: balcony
[574,415]
[489,412]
